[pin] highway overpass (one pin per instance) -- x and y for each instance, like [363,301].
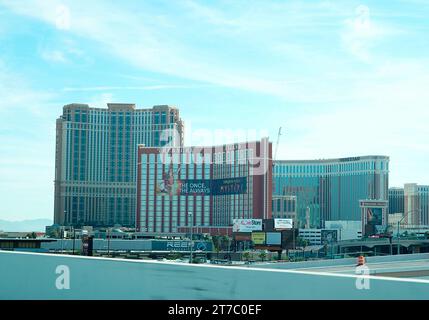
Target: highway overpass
[49,276]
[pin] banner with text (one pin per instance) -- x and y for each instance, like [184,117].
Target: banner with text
[202,187]
[246,225]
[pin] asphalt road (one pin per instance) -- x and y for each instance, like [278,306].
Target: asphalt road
[409,269]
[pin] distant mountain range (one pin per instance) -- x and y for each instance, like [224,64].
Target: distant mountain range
[36,225]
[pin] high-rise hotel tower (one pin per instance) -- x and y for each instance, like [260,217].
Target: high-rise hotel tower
[331,189]
[96,159]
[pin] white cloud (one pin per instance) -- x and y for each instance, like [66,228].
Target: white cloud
[62,50]
[130,36]
[63,19]
[384,106]
[389,116]
[361,33]
[53,56]
[101,100]
[27,129]
[145,88]
[16,93]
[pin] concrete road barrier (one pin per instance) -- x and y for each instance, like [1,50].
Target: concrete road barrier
[47,276]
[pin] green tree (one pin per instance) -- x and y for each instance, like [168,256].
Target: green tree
[218,244]
[262,255]
[217,249]
[300,242]
[246,255]
[32,235]
[225,242]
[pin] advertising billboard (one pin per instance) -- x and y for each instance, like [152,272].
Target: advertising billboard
[169,185]
[274,238]
[374,218]
[283,224]
[289,238]
[329,236]
[246,225]
[258,238]
[228,186]
[246,236]
[198,187]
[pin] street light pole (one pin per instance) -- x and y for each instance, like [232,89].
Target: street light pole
[62,238]
[108,241]
[62,234]
[399,222]
[192,243]
[74,238]
[399,247]
[293,235]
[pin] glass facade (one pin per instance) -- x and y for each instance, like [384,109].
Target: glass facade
[396,200]
[424,204]
[162,211]
[331,189]
[96,152]
[284,207]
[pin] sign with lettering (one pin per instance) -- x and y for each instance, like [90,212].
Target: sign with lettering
[201,187]
[246,225]
[283,223]
[258,238]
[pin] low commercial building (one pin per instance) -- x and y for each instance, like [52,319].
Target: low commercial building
[347,230]
[112,245]
[319,236]
[27,245]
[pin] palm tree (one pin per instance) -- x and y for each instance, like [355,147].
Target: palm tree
[225,239]
[217,249]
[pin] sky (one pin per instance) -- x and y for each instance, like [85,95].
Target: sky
[343,78]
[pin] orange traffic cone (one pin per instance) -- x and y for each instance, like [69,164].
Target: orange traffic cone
[361,261]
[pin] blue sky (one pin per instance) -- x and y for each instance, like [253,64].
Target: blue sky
[342,78]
